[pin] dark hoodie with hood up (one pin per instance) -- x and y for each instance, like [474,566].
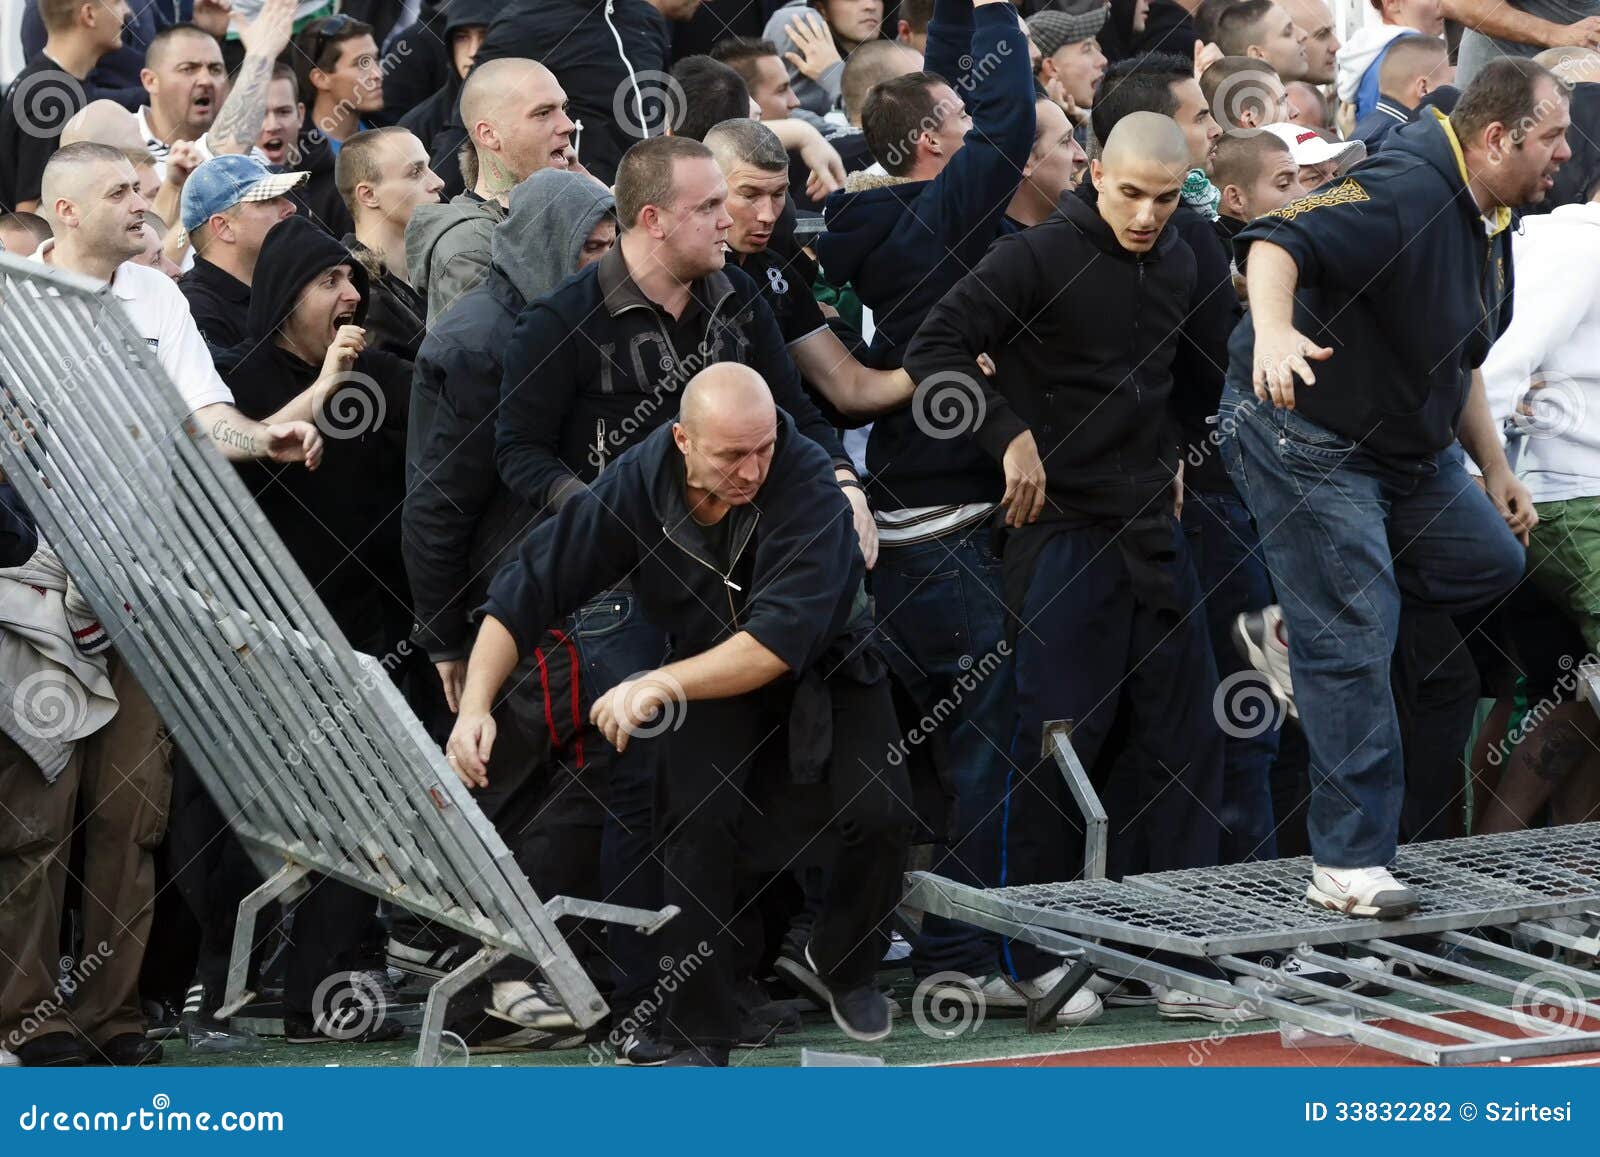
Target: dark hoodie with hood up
[902,244]
[341,521]
[460,523]
[1400,274]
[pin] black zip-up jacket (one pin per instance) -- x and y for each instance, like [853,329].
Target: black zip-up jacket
[460,524]
[594,367]
[572,40]
[1083,334]
[789,576]
[1399,275]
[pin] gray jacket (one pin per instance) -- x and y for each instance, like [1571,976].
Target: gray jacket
[447,247]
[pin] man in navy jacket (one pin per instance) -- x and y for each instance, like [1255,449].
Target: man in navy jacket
[1394,282]
[742,549]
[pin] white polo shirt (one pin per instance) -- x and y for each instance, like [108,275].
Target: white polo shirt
[160,314]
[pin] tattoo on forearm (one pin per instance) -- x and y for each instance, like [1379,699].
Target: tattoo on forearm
[226,435]
[238,123]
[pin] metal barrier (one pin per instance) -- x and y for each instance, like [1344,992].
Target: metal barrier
[306,746]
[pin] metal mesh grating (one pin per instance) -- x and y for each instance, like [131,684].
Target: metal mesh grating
[1251,907]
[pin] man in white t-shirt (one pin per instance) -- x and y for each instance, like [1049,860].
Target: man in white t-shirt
[90,198]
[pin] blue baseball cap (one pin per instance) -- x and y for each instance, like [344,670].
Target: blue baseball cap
[223,182]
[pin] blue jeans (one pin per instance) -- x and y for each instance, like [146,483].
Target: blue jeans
[1347,536]
[615,643]
[942,626]
[1233,579]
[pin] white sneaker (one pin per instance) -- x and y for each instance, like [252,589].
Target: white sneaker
[1264,642]
[528,1005]
[1083,1006]
[1364,892]
[1121,991]
[1180,1004]
[8,1059]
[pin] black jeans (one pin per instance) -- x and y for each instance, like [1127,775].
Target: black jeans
[721,766]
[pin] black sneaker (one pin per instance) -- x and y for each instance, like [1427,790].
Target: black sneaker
[161,1020]
[302,1029]
[640,1049]
[861,1013]
[203,1032]
[793,964]
[53,1050]
[697,1057]
[756,1006]
[127,1050]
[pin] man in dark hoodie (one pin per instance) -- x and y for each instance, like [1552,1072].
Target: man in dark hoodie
[307,301]
[465,22]
[1354,471]
[1096,565]
[1222,539]
[460,524]
[902,241]
[740,546]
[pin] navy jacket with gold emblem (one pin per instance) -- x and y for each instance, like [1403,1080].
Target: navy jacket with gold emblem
[1405,280]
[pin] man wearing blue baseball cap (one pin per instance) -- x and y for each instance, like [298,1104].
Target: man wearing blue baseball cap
[229,205]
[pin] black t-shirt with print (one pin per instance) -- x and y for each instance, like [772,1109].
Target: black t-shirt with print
[787,292]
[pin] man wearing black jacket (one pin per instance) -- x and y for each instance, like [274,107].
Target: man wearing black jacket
[740,546]
[552,798]
[1096,566]
[1222,539]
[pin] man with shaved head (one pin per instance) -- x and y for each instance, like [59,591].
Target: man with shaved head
[516,120]
[1096,565]
[742,548]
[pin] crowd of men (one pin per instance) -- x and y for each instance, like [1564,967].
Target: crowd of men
[773,419]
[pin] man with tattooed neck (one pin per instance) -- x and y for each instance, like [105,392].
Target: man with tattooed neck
[516,118]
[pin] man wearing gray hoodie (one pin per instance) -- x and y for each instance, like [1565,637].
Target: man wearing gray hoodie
[460,522]
[515,116]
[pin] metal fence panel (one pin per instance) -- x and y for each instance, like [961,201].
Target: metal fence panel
[306,745]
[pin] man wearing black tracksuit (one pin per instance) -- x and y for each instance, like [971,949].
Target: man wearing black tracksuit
[741,549]
[1083,330]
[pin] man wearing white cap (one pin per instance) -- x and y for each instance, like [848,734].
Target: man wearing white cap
[1321,157]
[229,205]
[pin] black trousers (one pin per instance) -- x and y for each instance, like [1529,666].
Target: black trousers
[725,809]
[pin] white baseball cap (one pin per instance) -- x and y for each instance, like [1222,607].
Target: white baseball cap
[1308,147]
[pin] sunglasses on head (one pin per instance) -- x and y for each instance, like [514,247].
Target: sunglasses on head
[331,28]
